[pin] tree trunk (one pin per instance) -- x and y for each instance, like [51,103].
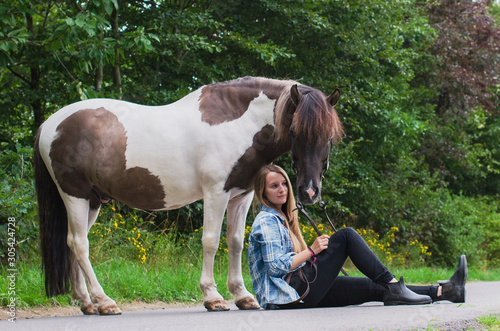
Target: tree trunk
[117,79]
[36,104]
[34,83]
[98,78]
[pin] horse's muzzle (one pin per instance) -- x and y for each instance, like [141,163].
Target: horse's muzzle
[309,194]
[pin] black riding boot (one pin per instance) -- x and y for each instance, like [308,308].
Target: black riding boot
[454,288]
[399,294]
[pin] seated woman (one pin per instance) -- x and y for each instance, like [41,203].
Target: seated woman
[288,274]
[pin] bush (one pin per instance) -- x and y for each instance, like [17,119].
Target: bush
[491,231]
[413,253]
[470,226]
[119,225]
[142,236]
[405,195]
[17,200]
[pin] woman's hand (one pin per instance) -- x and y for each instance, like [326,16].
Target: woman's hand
[320,244]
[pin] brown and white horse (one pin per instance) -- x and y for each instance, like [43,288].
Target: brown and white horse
[208,145]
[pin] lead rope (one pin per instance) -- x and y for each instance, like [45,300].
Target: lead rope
[301,208]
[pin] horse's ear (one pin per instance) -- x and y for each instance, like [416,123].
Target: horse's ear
[295,95]
[334,97]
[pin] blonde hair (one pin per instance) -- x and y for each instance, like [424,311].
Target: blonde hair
[289,209]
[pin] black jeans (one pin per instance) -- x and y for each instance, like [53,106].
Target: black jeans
[331,290]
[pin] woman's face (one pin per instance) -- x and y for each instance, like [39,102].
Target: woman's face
[276,190]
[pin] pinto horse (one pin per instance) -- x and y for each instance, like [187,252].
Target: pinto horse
[207,145]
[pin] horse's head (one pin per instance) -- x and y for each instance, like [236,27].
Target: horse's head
[313,125]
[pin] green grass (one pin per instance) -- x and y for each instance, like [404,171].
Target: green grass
[169,275]
[126,280]
[491,322]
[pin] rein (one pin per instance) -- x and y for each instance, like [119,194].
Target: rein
[323,205]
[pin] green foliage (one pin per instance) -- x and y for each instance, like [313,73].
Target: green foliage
[409,254]
[141,234]
[17,201]
[491,321]
[458,229]
[115,228]
[476,171]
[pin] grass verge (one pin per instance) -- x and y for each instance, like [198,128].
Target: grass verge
[491,322]
[172,279]
[125,280]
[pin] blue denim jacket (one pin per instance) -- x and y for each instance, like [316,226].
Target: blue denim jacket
[270,252]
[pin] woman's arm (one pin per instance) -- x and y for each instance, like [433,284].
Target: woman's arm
[320,244]
[271,243]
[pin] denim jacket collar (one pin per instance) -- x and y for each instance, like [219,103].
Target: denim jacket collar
[272,211]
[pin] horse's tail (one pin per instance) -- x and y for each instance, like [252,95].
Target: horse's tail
[53,228]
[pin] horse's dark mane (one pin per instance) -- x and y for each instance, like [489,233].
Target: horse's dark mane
[313,119]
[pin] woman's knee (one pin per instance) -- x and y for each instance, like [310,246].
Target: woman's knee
[348,231]
[344,235]
[350,235]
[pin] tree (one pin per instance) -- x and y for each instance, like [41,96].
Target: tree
[52,51]
[465,75]
[468,48]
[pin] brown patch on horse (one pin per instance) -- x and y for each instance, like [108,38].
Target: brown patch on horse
[228,101]
[88,158]
[264,150]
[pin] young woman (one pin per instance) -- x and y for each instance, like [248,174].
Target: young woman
[288,274]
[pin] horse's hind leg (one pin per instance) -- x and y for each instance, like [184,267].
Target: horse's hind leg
[237,210]
[79,290]
[78,224]
[78,287]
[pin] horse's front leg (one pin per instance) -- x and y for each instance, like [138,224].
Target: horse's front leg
[237,210]
[214,206]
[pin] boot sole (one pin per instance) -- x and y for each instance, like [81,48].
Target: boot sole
[405,303]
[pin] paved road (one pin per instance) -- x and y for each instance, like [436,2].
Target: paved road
[483,298]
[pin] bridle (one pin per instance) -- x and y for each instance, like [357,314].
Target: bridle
[322,204]
[326,163]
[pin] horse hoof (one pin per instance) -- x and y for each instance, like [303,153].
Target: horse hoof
[247,303]
[89,310]
[109,310]
[216,305]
